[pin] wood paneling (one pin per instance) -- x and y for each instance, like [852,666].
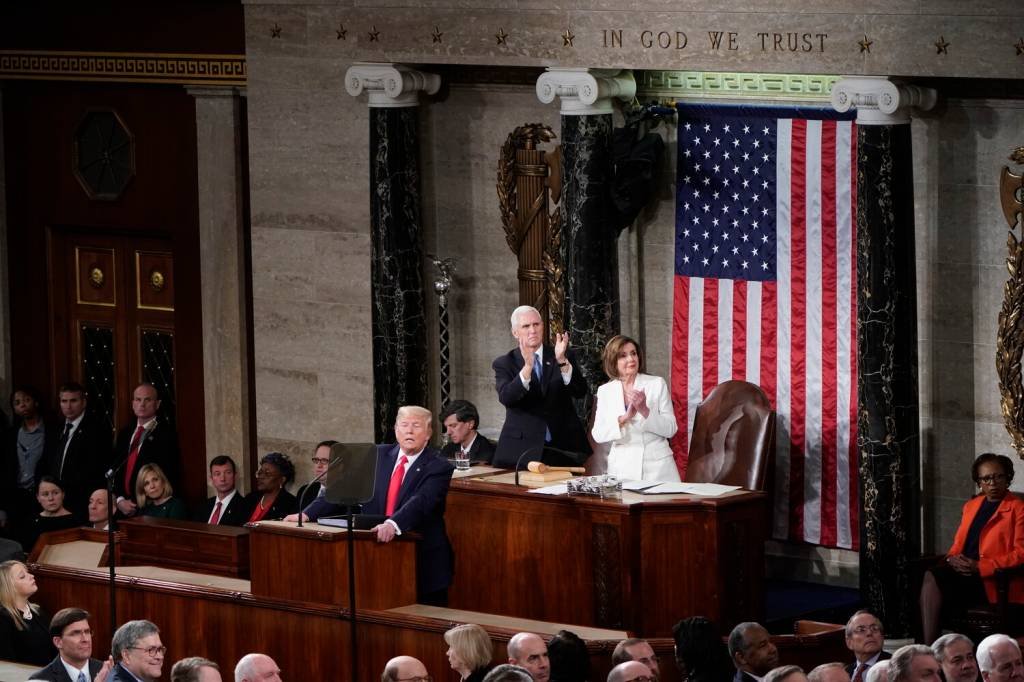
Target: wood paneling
[190,546]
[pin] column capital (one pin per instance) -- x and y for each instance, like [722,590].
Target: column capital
[880,101]
[585,91]
[390,85]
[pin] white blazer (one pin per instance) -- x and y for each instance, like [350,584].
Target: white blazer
[640,449]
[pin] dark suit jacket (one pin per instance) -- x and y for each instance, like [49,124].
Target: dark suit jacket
[284,505]
[482,450]
[119,674]
[884,655]
[236,513]
[546,404]
[420,509]
[159,446]
[85,464]
[303,497]
[56,672]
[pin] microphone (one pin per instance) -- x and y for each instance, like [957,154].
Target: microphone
[573,456]
[316,479]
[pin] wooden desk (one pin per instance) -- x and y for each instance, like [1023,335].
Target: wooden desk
[639,564]
[188,545]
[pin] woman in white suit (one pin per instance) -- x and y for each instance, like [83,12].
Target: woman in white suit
[634,414]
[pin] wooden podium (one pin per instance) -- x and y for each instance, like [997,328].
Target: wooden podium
[310,564]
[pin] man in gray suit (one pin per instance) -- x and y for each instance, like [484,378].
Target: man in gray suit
[73,638]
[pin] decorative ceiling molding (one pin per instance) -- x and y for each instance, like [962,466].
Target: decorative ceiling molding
[758,86]
[125,67]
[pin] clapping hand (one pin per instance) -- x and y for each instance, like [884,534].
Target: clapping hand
[561,346]
[638,402]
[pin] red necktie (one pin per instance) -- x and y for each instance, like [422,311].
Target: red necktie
[858,675]
[216,514]
[395,486]
[133,456]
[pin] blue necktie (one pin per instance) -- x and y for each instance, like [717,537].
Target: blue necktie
[537,373]
[81,677]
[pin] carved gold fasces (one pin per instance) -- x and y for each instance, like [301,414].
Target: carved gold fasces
[1010,333]
[529,185]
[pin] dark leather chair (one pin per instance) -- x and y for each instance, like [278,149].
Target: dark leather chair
[733,437]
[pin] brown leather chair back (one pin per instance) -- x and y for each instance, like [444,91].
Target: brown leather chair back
[733,437]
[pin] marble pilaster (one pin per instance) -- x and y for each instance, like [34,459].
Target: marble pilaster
[399,326]
[5,306]
[227,384]
[589,237]
[888,435]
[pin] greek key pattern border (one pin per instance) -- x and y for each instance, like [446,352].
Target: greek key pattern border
[127,67]
[761,86]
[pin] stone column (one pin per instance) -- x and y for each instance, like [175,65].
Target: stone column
[223,234]
[888,429]
[589,239]
[399,326]
[5,292]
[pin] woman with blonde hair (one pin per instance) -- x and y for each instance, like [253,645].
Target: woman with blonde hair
[155,496]
[24,626]
[634,414]
[469,652]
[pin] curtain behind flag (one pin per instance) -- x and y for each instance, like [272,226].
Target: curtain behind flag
[765,291]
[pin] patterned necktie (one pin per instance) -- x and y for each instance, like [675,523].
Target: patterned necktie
[395,486]
[858,675]
[536,368]
[133,456]
[215,519]
[64,447]
[82,677]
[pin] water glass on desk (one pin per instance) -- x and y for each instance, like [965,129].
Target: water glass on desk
[461,460]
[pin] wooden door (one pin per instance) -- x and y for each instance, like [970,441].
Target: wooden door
[113,318]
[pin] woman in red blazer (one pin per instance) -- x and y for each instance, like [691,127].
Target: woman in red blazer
[990,536]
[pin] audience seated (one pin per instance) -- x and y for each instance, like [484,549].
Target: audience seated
[257,668]
[321,462]
[469,652]
[829,672]
[461,421]
[631,671]
[228,506]
[635,649]
[955,654]
[529,651]
[137,652]
[913,663]
[864,637]
[155,496]
[24,626]
[752,651]
[271,500]
[98,507]
[988,538]
[999,659]
[506,672]
[699,652]
[786,673]
[54,516]
[401,669]
[568,658]
[879,672]
[72,636]
[195,669]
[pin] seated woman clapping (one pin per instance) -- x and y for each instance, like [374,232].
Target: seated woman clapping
[155,496]
[990,537]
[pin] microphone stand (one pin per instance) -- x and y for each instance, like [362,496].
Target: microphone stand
[111,473]
[525,452]
[576,457]
[305,492]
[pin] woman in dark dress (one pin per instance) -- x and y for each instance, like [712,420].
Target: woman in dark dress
[155,496]
[271,500]
[53,517]
[469,652]
[24,626]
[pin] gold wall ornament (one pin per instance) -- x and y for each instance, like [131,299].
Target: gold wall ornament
[865,44]
[156,280]
[96,277]
[529,188]
[437,35]
[1010,333]
[567,38]
[374,34]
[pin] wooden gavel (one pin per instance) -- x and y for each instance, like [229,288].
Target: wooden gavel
[541,467]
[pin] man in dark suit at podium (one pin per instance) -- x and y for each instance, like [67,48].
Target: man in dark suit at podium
[537,384]
[461,420]
[80,457]
[411,490]
[150,440]
[227,507]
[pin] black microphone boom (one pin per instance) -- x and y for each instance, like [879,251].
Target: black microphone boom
[309,485]
[576,457]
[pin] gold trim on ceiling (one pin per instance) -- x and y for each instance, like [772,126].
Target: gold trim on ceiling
[125,67]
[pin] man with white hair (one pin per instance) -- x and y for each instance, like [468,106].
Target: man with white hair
[829,672]
[537,383]
[1000,660]
[257,668]
[631,671]
[879,672]
[410,494]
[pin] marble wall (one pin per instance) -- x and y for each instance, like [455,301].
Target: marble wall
[308,145]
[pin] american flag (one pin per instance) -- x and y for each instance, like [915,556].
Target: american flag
[765,291]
